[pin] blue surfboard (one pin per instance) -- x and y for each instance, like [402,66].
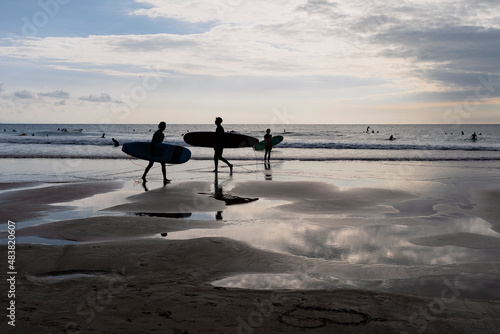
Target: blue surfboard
[166,153]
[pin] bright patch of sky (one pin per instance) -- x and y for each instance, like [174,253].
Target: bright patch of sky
[76,18]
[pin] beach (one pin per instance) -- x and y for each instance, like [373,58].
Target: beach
[300,247]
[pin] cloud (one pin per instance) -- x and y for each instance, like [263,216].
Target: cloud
[1,87]
[30,95]
[97,98]
[417,45]
[58,94]
[25,94]
[221,11]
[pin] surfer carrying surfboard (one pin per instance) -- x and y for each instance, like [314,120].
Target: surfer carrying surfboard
[158,137]
[268,139]
[219,146]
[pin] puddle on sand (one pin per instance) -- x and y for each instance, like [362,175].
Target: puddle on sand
[74,274]
[43,241]
[473,286]
[367,245]
[379,244]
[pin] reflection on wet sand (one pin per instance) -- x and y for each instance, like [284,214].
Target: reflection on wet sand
[229,199]
[378,244]
[474,286]
[164,215]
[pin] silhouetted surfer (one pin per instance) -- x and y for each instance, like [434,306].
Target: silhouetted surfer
[268,141]
[219,146]
[115,142]
[474,136]
[158,137]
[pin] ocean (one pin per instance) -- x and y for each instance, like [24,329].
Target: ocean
[301,141]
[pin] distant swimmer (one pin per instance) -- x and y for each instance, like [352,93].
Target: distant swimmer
[463,133]
[115,142]
[391,137]
[368,130]
[103,135]
[474,136]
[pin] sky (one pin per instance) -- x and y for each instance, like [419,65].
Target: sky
[253,61]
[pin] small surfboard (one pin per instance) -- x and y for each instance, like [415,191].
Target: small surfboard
[275,141]
[166,153]
[231,140]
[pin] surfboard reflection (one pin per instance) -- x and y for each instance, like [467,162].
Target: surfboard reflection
[164,215]
[227,198]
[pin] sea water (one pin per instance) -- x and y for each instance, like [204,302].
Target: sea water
[325,142]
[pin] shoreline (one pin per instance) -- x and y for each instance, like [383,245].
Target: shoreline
[135,267]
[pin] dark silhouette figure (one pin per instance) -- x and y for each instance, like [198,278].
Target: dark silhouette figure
[115,142]
[158,137]
[219,146]
[268,141]
[391,137]
[103,135]
[474,136]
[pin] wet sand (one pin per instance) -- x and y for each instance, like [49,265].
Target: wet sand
[131,270]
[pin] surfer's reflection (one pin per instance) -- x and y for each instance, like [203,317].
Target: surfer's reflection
[268,175]
[227,198]
[218,188]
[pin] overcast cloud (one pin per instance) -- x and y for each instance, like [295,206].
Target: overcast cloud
[437,50]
